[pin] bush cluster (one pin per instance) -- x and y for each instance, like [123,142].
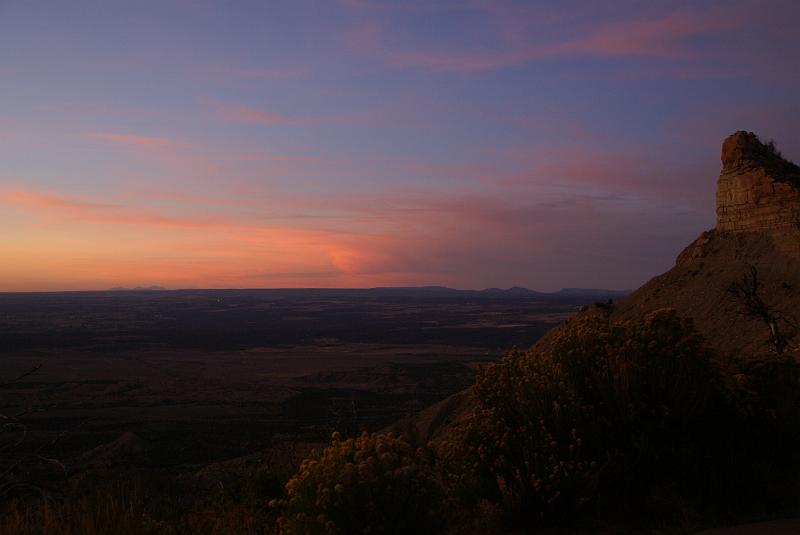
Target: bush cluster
[376,483]
[626,421]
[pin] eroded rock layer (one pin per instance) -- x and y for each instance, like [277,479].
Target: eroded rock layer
[757,190]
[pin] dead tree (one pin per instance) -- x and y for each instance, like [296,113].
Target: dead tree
[747,292]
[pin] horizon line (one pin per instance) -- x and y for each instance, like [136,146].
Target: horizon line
[145,289]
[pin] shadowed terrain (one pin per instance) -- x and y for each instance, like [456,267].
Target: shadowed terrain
[197,376]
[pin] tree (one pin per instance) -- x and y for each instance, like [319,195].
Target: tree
[747,292]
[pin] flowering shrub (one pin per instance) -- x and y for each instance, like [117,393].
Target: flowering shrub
[521,446]
[372,484]
[610,411]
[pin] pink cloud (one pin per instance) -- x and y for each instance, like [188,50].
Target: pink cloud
[243,114]
[237,113]
[668,36]
[358,240]
[637,172]
[139,141]
[458,240]
[76,110]
[145,142]
[415,7]
[56,206]
[268,73]
[34,199]
[466,171]
[297,158]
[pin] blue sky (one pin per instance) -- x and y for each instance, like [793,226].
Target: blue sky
[369,142]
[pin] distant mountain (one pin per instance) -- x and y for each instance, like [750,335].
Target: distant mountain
[412,291]
[138,289]
[496,293]
[514,291]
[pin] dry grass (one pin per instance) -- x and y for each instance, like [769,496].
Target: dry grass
[124,511]
[99,514]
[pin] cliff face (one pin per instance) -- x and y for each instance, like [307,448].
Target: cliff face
[757,189]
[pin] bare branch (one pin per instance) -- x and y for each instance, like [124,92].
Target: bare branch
[747,292]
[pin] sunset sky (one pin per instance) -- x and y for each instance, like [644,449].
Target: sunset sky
[360,143]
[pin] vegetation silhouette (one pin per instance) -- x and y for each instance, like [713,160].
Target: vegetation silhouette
[376,483]
[747,293]
[633,422]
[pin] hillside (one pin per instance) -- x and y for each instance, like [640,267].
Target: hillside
[758,228]
[757,231]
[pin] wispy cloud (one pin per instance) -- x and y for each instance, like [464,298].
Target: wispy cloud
[638,172]
[668,36]
[267,73]
[139,141]
[55,206]
[418,238]
[413,7]
[36,200]
[238,113]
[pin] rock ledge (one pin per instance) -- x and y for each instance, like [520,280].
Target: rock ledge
[757,190]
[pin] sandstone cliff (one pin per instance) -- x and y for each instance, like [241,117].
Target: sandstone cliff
[757,189]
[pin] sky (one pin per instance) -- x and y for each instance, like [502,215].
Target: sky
[361,143]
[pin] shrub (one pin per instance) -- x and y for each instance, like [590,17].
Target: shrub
[99,513]
[376,484]
[764,453]
[521,446]
[621,417]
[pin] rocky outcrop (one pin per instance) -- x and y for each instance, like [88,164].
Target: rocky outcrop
[758,226]
[757,190]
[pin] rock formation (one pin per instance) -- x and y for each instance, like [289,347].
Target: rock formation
[758,190]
